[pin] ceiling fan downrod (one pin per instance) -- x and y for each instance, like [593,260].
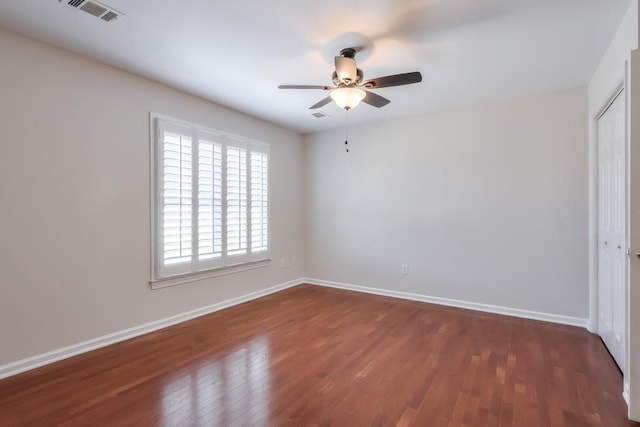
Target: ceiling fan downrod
[348,52]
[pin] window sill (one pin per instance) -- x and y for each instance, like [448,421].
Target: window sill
[203,275]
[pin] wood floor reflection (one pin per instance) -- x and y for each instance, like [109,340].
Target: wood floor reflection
[311,356]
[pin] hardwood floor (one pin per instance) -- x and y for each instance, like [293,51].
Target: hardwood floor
[311,356]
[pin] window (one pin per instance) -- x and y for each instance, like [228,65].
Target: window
[210,199]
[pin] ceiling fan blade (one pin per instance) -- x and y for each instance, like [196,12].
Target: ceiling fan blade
[346,69]
[375,99]
[304,87]
[322,103]
[393,80]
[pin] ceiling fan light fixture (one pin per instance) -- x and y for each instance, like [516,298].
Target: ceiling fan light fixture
[348,97]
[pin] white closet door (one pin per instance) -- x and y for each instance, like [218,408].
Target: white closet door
[611,228]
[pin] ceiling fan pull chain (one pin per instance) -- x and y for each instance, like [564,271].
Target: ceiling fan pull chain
[346,140]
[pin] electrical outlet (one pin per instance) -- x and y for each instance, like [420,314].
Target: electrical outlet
[294,260]
[404,269]
[281,262]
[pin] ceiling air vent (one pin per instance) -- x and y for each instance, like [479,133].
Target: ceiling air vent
[95,8]
[110,16]
[320,114]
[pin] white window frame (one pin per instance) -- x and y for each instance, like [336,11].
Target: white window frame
[196,269]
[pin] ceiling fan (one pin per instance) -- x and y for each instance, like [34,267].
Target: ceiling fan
[349,88]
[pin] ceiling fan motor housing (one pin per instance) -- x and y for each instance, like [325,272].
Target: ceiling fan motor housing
[338,82]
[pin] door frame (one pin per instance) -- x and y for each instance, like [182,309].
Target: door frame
[631,381]
[630,82]
[632,376]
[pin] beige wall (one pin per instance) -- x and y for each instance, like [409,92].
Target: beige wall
[486,204]
[492,211]
[74,191]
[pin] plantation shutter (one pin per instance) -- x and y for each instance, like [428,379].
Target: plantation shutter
[176,201]
[259,201]
[236,200]
[211,200]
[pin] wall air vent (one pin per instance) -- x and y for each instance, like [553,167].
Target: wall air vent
[95,8]
[320,114]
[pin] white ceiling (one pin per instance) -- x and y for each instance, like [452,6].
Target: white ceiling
[236,53]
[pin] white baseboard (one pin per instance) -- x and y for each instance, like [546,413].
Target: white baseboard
[37,361]
[526,314]
[33,362]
